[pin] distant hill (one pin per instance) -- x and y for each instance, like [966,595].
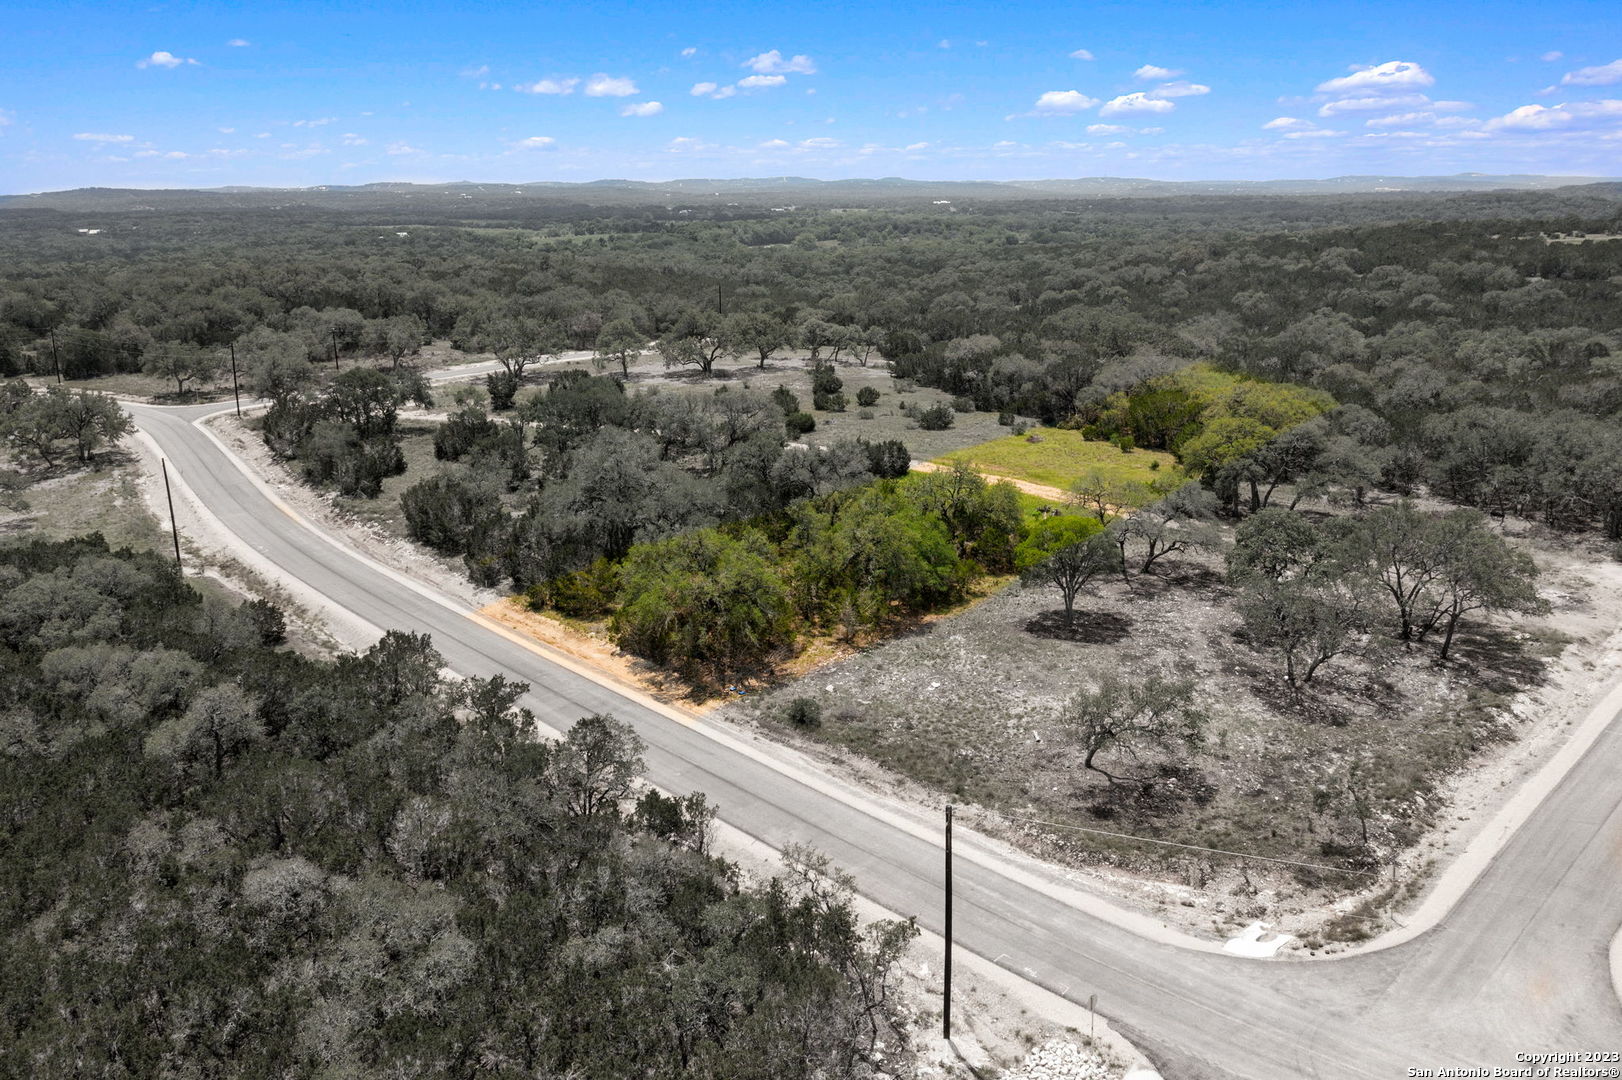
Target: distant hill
[756,190]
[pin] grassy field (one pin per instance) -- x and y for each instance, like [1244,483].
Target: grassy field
[1062,457]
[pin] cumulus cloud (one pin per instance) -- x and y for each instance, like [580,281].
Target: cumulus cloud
[1603,75]
[352,139]
[96,136]
[774,144]
[601,85]
[772,63]
[1081,54]
[1288,123]
[1180,89]
[1390,77]
[1149,72]
[548,86]
[823,143]
[760,82]
[1106,129]
[689,51]
[912,148]
[642,108]
[164,59]
[1064,102]
[1553,118]
[320,121]
[1552,55]
[535,142]
[1315,133]
[1135,103]
[238,43]
[398,149]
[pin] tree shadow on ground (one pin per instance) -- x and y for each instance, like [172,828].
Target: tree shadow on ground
[1089,628]
[1498,658]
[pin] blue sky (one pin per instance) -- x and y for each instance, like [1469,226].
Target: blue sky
[290,93]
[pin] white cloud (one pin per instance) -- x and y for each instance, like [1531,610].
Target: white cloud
[1315,133]
[476,72]
[318,122]
[914,147]
[1552,55]
[642,108]
[1150,72]
[774,144]
[760,82]
[226,131]
[1062,102]
[943,43]
[238,43]
[1180,89]
[1393,75]
[549,86]
[397,149]
[1288,123]
[1543,118]
[164,60]
[1081,54]
[685,143]
[1135,103]
[819,144]
[1603,75]
[96,136]
[772,63]
[712,90]
[535,142]
[601,85]
[1374,104]
[1407,119]
[689,51]
[1106,129]
[352,139]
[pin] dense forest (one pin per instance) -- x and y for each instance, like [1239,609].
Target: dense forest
[1477,334]
[220,858]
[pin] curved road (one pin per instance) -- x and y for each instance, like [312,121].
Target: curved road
[1518,966]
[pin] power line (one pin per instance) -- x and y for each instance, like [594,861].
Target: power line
[1197,847]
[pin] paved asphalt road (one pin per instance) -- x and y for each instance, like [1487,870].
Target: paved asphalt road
[1518,966]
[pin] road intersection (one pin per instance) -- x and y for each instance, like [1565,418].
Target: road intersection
[1518,966]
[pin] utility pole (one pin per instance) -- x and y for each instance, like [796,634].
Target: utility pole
[173,527]
[720,307]
[334,348]
[56,361]
[235,392]
[946,1004]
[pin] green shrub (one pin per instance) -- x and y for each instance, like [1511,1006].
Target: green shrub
[803,712]
[800,423]
[833,401]
[936,418]
[867,396]
[785,399]
[963,403]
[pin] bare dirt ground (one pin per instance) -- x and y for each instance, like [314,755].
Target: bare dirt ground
[968,707]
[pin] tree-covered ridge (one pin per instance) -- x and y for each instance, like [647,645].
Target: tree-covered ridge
[221,858]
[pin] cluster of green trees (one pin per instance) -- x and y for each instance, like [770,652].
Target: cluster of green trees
[1311,588]
[585,471]
[59,422]
[720,601]
[217,856]
[342,434]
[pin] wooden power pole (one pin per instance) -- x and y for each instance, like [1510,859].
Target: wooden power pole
[946,989]
[174,528]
